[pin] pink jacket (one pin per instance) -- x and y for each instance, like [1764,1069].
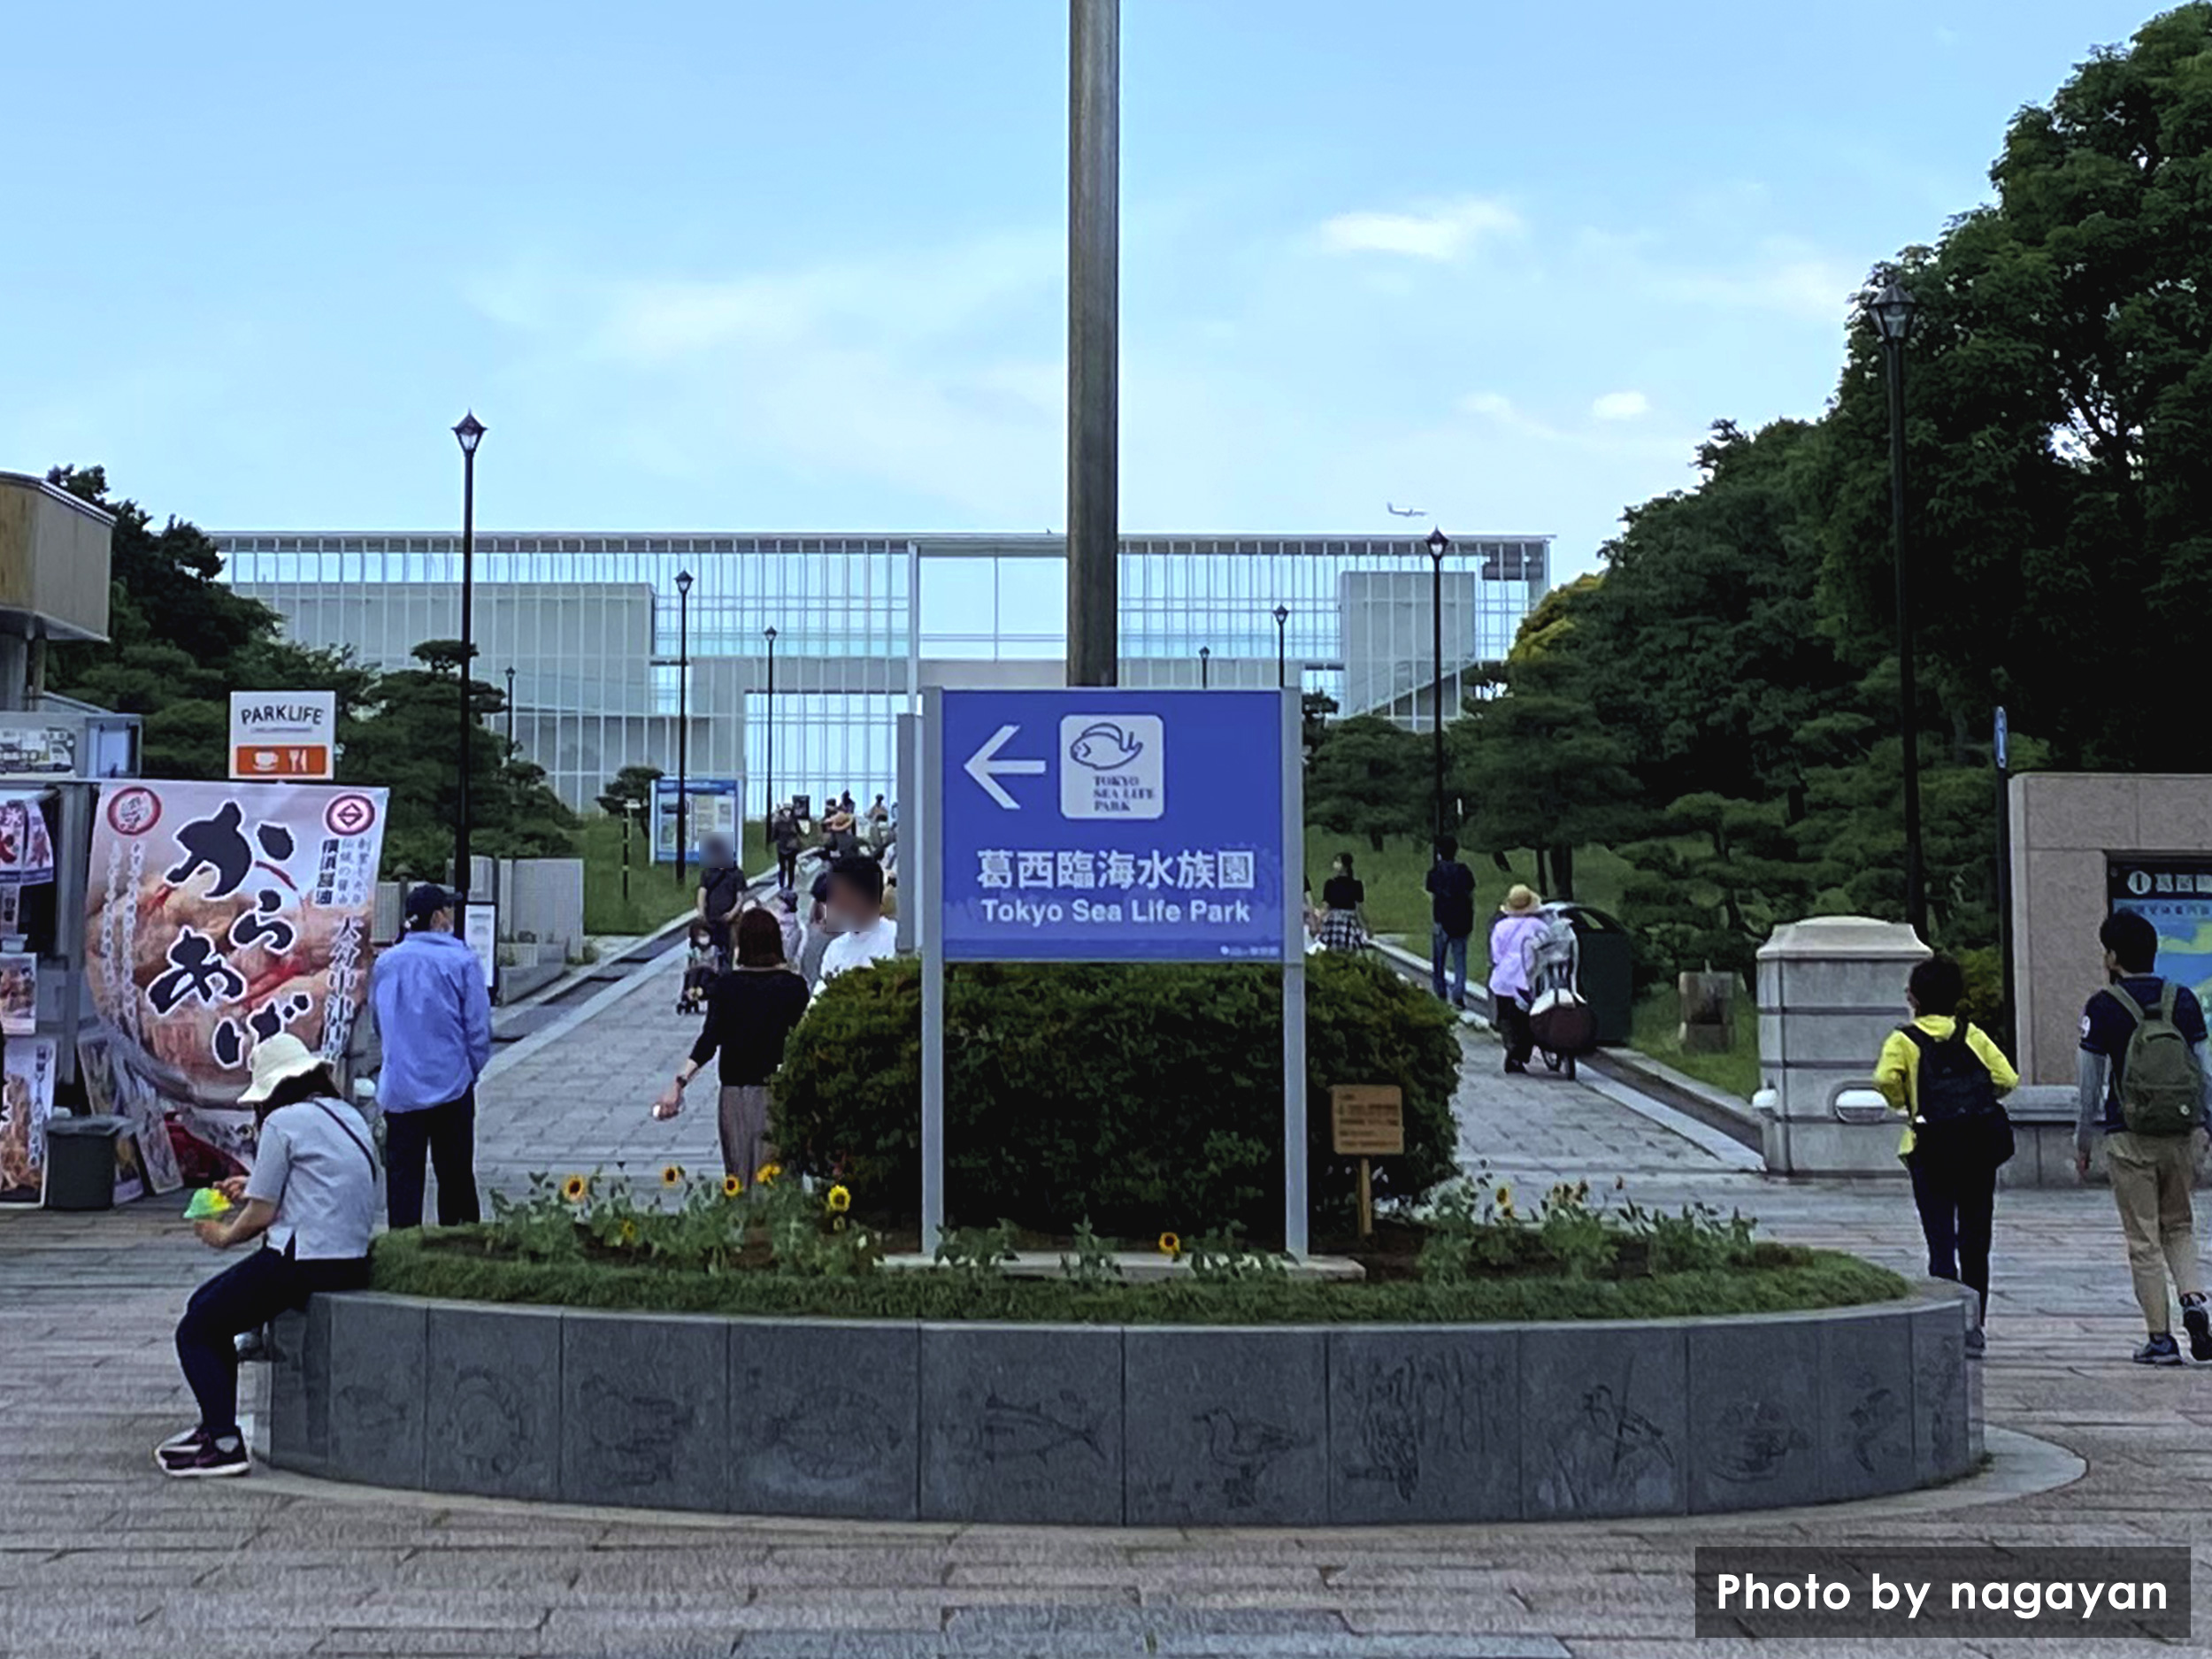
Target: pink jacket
[1509,943]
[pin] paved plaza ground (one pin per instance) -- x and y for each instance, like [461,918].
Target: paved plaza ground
[100,1555]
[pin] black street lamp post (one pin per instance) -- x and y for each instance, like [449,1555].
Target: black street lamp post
[683,724]
[1205,666]
[1893,312]
[1439,545]
[770,635]
[1282,622]
[470,432]
[511,711]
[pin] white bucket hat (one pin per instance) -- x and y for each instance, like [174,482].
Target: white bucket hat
[275,1059]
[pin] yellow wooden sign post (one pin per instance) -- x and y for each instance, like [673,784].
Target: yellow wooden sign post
[1368,1121]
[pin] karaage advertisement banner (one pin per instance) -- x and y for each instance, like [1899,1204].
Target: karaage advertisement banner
[218,915]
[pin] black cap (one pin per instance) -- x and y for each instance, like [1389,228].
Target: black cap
[428,900]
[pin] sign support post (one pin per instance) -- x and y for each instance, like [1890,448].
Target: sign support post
[1296,1207]
[929,857]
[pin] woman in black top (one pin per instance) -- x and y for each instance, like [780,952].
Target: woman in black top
[1343,908]
[751,1012]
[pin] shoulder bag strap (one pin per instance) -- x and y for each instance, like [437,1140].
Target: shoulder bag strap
[324,1106]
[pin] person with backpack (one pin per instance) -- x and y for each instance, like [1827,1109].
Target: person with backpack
[1948,1079]
[1513,939]
[1451,887]
[2142,1082]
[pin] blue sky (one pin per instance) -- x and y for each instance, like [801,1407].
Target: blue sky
[764,265]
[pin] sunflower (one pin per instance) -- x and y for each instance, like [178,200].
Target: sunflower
[1505,1195]
[768,1172]
[672,1176]
[732,1186]
[1170,1245]
[573,1188]
[838,1201]
[629,1232]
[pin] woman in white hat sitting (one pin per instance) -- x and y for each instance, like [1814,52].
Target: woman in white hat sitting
[311,1202]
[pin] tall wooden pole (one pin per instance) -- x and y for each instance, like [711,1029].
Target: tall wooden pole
[1093,341]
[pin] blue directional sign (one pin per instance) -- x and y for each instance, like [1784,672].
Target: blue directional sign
[1109,826]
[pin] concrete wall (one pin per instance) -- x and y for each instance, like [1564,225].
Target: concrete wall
[2064,827]
[1105,1425]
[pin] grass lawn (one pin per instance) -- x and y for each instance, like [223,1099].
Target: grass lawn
[1398,904]
[655,893]
[1658,1023]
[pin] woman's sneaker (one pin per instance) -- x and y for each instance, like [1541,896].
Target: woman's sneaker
[2197,1319]
[2159,1350]
[204,1458]
[192,1436]
[1977,1344]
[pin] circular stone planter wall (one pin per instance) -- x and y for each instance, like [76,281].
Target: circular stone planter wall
[1141,1425]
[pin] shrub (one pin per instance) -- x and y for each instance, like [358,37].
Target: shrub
[457,1264]
[1142,1098]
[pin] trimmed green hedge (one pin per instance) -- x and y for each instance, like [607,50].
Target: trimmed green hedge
[1787,1280]
[1144,1098]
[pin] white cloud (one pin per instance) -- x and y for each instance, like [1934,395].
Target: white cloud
[932,370]
[1441,233]
[1621,406]
[1785,275]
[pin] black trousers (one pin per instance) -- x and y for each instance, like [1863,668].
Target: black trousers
[788,870]
[1954,1188]
[447,1134]
[1514,1030]
[241,1299]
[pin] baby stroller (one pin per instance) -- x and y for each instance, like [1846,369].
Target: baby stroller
[1559,1019]
[699,973]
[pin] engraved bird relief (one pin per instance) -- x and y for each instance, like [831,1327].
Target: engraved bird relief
[1243,1451]
[1754,1437]
[1011,1429]
[1878,1412]
[637,1432]
[1607,1447]
[1390,1432]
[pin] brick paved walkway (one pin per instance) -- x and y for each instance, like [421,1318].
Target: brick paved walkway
[98,1555]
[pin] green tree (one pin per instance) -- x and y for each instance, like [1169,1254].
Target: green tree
[1370,777]
[178,637]
[410,743]
[630,791]
[2060,387]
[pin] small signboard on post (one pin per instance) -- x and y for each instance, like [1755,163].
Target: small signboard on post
[289,736]
[1367,1121]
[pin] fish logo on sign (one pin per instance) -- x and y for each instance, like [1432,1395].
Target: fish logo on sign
[1115,766]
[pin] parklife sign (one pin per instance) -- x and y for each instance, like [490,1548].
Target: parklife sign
[1111,826]
[291,735]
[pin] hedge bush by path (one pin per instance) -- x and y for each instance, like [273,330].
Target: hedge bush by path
[1785,1279]
[1138,1097]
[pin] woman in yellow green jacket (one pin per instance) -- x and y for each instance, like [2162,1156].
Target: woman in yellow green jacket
[1947,1077]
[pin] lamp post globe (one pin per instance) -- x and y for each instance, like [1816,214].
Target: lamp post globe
[468,431]
[769,780]
[1895,313]
[683,724]
[1438,544]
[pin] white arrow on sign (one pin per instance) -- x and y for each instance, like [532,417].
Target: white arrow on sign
[986,769]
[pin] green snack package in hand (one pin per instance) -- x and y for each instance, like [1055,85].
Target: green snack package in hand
[207,1204]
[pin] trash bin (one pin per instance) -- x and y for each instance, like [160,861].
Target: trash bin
[1607,970]
[81,1162]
